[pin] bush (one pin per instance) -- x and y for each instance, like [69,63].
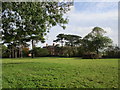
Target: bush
[112,52]
[91,55]
[25,52]
[5,52]
[38,51]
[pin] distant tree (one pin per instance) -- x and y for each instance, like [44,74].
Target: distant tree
[96,41]
[112,52]
[60,38]
[72,40]
[80,51]
[69,40]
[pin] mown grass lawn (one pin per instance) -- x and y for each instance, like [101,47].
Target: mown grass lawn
[48,72]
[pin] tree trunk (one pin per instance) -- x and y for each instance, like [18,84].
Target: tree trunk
[61,43]
[12,52]
[16,53]
[32,49]
[97,51]
[21,51]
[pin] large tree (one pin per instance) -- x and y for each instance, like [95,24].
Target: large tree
[71,42]
[60,38]
[68,39]
[12,31]
[30,21]
[96,41]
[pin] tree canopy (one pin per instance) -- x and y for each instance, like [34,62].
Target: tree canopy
[31,21]
[96,40]
[68,39]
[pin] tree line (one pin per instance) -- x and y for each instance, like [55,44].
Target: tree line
[26,23]
[94,45]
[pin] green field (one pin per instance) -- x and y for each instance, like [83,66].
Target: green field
[49,72]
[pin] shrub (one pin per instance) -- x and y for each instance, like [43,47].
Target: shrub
[91,55]
[25,52]
[112,52]
[38,51]
[5,52]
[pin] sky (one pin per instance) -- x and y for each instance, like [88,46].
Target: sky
[84,16]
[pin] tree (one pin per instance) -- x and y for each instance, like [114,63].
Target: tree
[72,40]
[112,52]
[69,40]
[13,33]
[35,19]
[96,41]
[60,39]
[71,43]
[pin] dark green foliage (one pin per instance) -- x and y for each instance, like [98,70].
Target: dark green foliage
[72,40]
[80,51]
[5,51]
[88,47]
[96,41]
[38,51]
[112,52]
[91,55]
[69,51]
[60,39]
[68,40]
[69,43]
[30,21]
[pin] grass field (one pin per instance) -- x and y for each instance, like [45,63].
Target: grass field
[48,72]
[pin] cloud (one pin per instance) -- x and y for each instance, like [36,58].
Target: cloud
[96,7]
[93,18]
[82,22]
[77,30]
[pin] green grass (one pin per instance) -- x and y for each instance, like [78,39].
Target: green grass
[48,72]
